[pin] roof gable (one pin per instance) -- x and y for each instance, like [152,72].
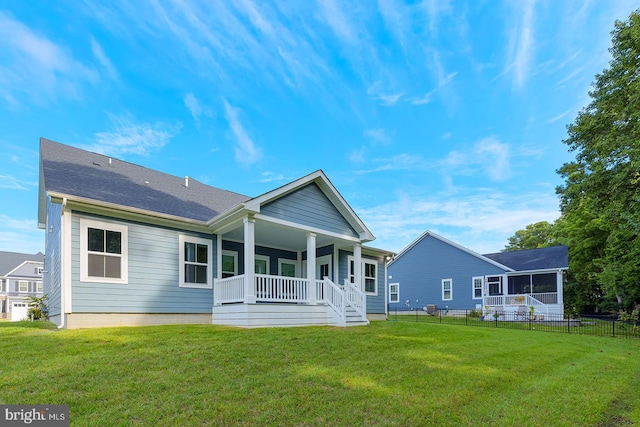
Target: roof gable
[9,261]
[453,244]
[330,192]
[534,259]
[76,173]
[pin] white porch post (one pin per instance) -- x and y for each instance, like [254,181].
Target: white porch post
[311,266]
[357,266]
[249,259]
[560,290]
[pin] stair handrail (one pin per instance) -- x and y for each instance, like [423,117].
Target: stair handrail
[355,298]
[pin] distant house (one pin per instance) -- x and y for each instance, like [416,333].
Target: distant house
[20,277]
[128,245]
[434,271]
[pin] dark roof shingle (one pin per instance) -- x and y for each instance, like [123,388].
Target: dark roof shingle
[76,172]
[533,259]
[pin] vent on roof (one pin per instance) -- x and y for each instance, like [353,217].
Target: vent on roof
[110,163]
[186,181]
[96,164]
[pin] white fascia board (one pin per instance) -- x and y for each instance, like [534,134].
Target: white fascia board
[127,212]
[540,271]
[455,245]
[307,229]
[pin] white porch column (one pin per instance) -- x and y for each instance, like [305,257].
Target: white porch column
[249,259]
[357,266]
[560,290]
[311,266]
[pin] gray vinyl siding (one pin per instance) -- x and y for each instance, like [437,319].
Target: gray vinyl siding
[153,285]
[375,303]
[421,269]
[310,207]
[52,260]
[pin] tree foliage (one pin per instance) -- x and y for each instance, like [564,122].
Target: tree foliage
[600,199]
[538,235]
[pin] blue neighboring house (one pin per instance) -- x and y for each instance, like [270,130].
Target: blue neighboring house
[128,245]
[435,272]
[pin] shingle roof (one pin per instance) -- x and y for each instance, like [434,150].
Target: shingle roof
[533,259]
[76,172]
[11,260]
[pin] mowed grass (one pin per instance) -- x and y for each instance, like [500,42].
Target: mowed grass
[388,373]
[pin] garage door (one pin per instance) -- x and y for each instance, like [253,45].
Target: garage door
[18,311]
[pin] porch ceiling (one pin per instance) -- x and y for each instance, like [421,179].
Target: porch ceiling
[278,236]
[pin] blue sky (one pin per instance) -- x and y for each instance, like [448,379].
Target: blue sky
[439,115]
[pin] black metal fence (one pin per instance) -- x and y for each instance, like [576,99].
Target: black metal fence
[604,326]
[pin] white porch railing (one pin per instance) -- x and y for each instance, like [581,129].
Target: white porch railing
[270,288]
[229,290]
[281,289]
[355,298]
[538,301]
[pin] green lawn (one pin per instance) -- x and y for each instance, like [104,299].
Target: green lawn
[389,373]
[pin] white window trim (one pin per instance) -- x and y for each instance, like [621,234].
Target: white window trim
[85,224]
[362,270]
[39,286]
[450,289]
[473,287]
[288,261]
[263,258]
[397,292]
[189,239]
[234,255]
[23,282]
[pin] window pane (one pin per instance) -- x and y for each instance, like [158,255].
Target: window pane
[202,254]
[288,270]
[519,284]
[189,252]
[228,264]
[369,270]
[477,293]
[544,283]
[261,266]
[95,241]
[201,274]
[96,265]
[112,267]
[189,273]
[114,242]
[369,285]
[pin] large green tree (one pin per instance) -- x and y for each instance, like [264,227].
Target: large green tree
[601,195]
[538,235]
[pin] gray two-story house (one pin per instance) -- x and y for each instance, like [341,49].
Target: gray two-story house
[20,277]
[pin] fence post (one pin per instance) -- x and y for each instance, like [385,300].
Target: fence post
[416,314]
[613,328]
[440,315]
[466,317]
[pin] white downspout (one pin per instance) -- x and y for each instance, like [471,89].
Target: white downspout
[63,315]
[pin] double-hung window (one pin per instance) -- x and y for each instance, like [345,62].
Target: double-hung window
[103,251]
[23,286]
[447,289]
[196,260]
[477,287]
[394,292]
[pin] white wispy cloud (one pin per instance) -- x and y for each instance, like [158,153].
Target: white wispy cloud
[98,52]
[266,177]
[196,108]
[382,96]
[489,155]
[378,136]
[481,221]
[398,162]
[522,43]
[21,235]
[246,151]
[130,137]
[34,66]
[12,183]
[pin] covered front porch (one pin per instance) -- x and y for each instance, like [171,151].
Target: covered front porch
[536,293]
[269,300]
[273,273]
